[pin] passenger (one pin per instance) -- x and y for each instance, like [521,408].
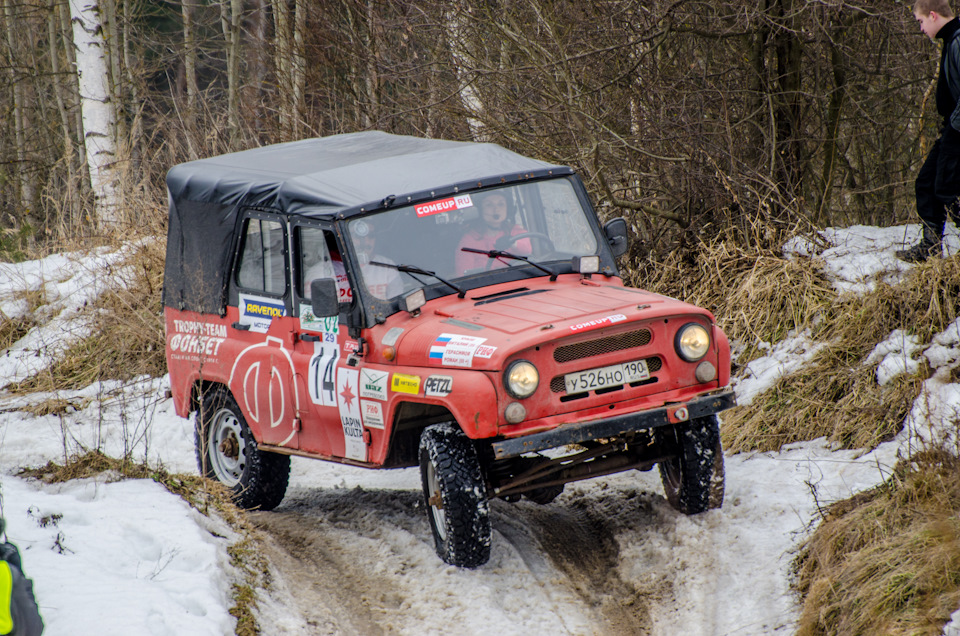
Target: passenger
[496,221]
[382,282]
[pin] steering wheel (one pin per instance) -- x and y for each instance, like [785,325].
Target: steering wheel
[504,242]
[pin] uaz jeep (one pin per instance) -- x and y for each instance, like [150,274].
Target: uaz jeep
[387,301]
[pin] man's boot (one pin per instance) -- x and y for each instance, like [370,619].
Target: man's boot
[928,246]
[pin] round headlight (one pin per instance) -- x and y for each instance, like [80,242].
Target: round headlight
[693,342]
[521,379]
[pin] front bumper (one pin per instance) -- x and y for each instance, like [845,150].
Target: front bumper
[672,413]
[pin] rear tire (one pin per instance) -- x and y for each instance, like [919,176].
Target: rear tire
[228,453]
[693,481]
[455,496]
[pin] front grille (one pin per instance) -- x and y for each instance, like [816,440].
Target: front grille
[580,350]
[654,364]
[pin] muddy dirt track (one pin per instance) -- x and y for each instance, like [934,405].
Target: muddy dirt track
[361,561]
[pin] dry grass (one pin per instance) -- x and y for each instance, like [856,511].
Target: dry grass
[836,395]
[887,561]
[128,336]
[757,295]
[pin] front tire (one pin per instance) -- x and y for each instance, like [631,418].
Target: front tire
[455,496]
[228,453]
[693,481]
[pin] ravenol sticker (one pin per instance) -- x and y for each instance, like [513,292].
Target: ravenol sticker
[259,312]
[329,326]
[444,205]
[596,323]
[372,413]
[455,350]
[373,384]
[438,385]
[403,383]
[349,402]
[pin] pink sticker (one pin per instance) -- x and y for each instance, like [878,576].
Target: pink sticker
[444,205]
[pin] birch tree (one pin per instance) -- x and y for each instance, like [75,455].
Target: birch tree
[98,116]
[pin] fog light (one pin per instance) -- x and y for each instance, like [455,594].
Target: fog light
[706,372]
[515,413]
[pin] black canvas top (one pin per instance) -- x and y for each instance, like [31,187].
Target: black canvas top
[313,177]
[332,174]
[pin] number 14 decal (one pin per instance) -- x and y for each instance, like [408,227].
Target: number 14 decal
[323,374]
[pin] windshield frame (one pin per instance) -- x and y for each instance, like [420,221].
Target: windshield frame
[375,310]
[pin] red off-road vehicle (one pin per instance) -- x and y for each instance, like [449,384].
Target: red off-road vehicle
[388,301]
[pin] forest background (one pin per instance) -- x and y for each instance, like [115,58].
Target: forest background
[693,119]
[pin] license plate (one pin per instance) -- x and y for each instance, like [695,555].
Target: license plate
[614,375]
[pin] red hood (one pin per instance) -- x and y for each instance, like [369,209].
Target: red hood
[515,316]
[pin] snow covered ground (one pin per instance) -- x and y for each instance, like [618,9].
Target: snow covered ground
[127,557]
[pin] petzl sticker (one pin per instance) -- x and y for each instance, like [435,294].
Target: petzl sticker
[373,384]
[372,413]
[354,446]
[438,385]
[403,383]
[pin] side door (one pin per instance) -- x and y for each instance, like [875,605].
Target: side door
[260,341]
[330,414]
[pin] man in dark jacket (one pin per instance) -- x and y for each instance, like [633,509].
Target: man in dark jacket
[19,615]
[938,183]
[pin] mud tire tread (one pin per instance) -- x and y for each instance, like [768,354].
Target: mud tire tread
[463,493]
[694,481]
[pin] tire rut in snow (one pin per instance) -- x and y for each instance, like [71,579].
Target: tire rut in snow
[578,536]
[317,563]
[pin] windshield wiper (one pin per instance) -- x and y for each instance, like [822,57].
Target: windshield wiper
[411,269]
[516,257]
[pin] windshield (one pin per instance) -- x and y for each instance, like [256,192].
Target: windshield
[542,221]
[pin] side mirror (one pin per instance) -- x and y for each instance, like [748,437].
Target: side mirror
[616,232]
[324,298]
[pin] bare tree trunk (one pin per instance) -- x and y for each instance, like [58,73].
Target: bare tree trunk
[299,71]
[371,77]
[188,10]
[25,188]
[470,98]
[99,119]
[282,59]
[230,12]
[256,63]
[69,159]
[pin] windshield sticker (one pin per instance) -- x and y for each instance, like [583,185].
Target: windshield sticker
[444,205]
[438,386]
[373,384]
[372,414]
[354,446]
[456,350]
[259,312]
[403,383]
[309,322]
[599,322]
[322,379]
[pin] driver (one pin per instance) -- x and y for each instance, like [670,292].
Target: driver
[495,222]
